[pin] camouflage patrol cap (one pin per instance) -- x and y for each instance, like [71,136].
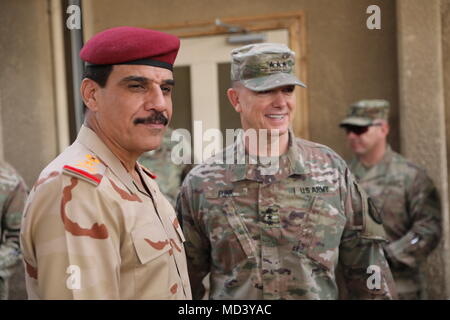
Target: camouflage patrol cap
[264,66]
[364,112]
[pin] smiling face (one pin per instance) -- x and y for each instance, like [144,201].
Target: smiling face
[133,109]
[270,109]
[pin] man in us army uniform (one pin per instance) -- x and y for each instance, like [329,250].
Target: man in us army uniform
[96,225]
[278,232]
[13,193]
[402,191]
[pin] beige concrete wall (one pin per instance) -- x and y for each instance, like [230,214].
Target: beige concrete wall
[1,133]
[445,19]
[28,112]
[422,114]
[27,119]
[346,61]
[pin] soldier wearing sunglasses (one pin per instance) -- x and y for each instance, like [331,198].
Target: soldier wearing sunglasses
[404,194]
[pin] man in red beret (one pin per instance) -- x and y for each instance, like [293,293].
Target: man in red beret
[96,225]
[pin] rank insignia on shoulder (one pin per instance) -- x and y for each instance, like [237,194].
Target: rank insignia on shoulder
[89,164]
[83,175]
[90,169]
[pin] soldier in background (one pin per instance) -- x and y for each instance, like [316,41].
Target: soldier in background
[278,232]
[402,191]
[13,194]
[169,175]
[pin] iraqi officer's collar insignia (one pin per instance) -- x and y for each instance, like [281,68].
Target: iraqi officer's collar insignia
[147,172]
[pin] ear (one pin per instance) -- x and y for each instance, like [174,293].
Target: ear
[88,91]
[233,96]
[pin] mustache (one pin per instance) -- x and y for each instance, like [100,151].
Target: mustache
[156,118]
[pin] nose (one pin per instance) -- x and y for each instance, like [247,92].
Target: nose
[155,99]
[351,135]
[279,100]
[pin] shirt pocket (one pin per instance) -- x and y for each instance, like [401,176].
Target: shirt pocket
[231,243]
[320,236]
[154,272]
[150,242]
[239,228]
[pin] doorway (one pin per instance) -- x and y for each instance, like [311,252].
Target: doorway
[202,69]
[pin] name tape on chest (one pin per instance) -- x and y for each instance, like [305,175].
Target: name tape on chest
[312,189]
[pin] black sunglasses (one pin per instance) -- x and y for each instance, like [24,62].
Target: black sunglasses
[359,130]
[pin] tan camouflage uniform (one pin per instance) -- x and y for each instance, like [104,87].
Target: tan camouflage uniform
[13,193]
[281,236]
[169,175]
[89,232]
[410,207]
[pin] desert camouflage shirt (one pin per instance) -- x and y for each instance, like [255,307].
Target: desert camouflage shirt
[90,232]
[281,236]
[411,212]
[13,193]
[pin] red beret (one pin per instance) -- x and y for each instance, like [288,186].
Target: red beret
[130,45]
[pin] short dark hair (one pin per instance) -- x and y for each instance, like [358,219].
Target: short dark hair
[99,74]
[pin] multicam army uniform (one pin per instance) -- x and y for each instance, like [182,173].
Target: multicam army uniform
[281,236]
[410,207]
[168,174]
[89,232]
[13,193]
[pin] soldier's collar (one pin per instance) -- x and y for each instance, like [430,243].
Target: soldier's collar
[297,164]
[250,171]
[90,140]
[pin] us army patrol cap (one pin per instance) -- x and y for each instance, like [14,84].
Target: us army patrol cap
[264,66]
[130,45]
[365,112]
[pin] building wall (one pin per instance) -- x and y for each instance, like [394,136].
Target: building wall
[346,61]
[445,19]
[422,111]
[27,120]
[27,104]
